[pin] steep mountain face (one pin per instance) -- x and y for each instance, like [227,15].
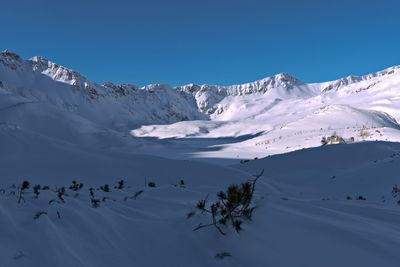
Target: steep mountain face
[281,85]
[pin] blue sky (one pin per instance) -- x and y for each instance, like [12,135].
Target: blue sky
[218,42]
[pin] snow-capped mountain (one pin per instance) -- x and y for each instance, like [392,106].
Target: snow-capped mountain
[150,104]
[41,80]
[273,115]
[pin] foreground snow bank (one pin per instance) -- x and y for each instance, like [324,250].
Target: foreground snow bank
[308,214]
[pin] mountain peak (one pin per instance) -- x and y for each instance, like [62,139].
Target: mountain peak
[284,75]
[58,72]
[10,59]
[41,63]
[8,53]
[284,79]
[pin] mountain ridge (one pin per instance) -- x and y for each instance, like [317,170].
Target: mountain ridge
[36,92]
[286,80]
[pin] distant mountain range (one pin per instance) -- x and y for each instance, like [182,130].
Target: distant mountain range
[277,114]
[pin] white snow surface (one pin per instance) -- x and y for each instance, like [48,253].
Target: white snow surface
[57,126]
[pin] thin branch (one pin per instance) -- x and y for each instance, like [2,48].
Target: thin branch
[215,224]
[202,226]
[208,225]
[253,186]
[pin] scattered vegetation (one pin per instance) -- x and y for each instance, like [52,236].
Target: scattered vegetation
[36,190]
[76,186]
[95,202]
[38,214]
[137,194]
[61,193]
[190,214]
[120,185]
[24,186]
[248,160]
[396,193]
[91,192]
[357,198]
[333,139]
[222,255]
[364,133]
[105,188]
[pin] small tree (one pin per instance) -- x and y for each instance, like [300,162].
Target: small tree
[396,192]
[323,141]
[120,185]
[91,192]
[25,185]
[36,190]
[233,206]
[95,202]
[222,255]
[38,214]
[76,186]
[105,188]
[61,193]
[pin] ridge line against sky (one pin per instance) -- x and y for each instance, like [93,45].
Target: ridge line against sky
[246,82]
[209,42]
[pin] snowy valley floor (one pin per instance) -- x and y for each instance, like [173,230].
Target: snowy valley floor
[327,206]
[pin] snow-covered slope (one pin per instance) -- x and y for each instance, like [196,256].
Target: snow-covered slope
[307,214]
[324,206]
[293,115]
[108,105]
